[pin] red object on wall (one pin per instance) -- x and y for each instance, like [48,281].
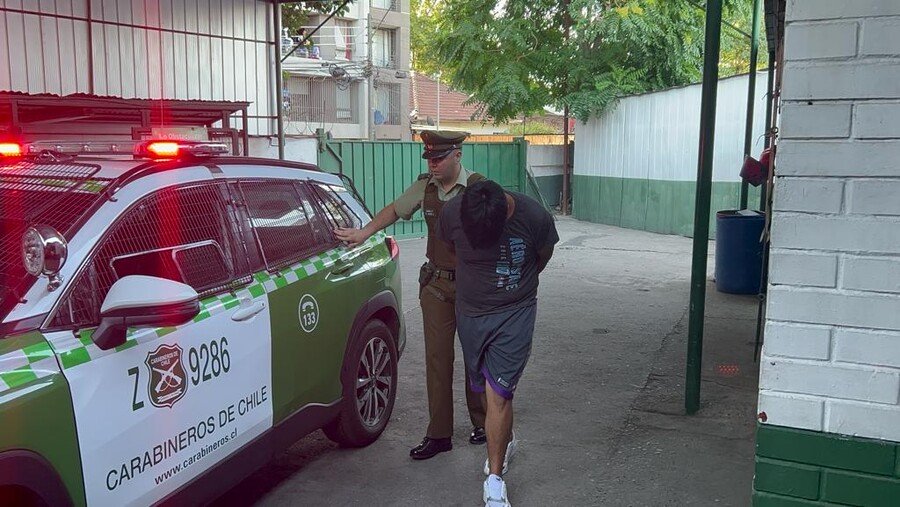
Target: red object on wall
[755,172]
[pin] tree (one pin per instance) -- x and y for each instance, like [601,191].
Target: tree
[513,57]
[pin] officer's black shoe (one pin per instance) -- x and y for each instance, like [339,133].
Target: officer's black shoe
[430,447]
[478,436]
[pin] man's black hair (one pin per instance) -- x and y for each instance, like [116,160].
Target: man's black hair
[483,213]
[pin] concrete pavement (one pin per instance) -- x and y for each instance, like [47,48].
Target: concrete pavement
[599,411]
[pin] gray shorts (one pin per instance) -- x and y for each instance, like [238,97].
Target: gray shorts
[496,347]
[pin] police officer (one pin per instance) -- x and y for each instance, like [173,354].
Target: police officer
[445,179]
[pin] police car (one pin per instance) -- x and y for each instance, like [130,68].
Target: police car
[171,318]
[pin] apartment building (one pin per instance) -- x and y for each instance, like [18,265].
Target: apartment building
[352,78]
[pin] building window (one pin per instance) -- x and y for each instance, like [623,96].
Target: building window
[344,104]
[387,104]
[343,40]
[384,48]
[321,100]
[390,5]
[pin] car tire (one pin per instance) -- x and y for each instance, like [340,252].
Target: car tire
[369,377]
[17,495]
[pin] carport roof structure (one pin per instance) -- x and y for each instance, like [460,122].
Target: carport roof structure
[22,113]
[20,109]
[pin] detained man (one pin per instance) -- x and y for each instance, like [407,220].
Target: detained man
[502,240]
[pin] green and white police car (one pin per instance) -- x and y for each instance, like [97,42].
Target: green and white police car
[172,318]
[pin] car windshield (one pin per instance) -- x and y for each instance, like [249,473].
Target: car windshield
[57,195]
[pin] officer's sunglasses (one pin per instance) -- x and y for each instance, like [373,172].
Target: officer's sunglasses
[438,160]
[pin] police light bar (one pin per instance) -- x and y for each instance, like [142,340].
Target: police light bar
[10,150]
[76,148]
[153,149]
[167,150]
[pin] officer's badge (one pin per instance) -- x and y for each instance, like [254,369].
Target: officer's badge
[168,379]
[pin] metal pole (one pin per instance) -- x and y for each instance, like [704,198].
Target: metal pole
[702,204]
[770,103]
[439,101]
[90,50]
[751,92]
[370,84]
[279,82]
[565,189]
[245,124]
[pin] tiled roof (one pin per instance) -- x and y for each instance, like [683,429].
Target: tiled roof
[423,95]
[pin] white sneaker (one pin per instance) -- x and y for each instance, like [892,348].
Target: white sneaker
[495,494]
[510,450]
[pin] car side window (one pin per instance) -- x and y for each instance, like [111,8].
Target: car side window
[184,234]
[285,222]
[336,210]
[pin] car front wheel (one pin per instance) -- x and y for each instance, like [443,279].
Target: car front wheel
[369,377]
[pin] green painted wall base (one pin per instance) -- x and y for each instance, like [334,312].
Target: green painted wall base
[665,207]
[551,188]
[806,468]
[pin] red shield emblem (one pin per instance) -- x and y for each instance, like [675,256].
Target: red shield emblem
[168,380]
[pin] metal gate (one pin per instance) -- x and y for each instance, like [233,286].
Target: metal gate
[382,170]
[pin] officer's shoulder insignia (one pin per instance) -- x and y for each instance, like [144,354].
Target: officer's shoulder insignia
[424,176]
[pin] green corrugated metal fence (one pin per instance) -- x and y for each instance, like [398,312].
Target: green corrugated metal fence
[382,170]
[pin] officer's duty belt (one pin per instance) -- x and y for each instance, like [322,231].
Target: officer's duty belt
[449,274]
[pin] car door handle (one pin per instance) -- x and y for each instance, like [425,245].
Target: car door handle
[247,312]
[340,267]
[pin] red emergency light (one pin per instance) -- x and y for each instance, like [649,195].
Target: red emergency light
[168,150]
[11,150]
[158,149]
[162,149]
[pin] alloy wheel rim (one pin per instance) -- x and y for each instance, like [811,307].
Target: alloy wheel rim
[373,382]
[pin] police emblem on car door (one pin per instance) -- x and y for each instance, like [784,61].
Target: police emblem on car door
[168,380]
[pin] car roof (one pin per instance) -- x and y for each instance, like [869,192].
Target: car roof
[113,167]
[125,169]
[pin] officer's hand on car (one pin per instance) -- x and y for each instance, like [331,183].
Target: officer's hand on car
[352,237]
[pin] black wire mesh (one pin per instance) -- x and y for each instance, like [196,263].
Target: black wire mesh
[54,194]
[203,265]
[284,221]
[180,234]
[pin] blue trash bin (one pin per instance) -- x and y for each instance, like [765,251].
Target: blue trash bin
[739,252]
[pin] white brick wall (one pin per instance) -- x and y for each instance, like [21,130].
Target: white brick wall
[791,267]
[830,10]
[875,274]
[815,121]
[874,197]
[881,37]
[831,359]
[821,40]
[799,342]
[839,158]
[877,120]
[810,195]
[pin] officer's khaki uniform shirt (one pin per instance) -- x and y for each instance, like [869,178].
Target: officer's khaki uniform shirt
[411,199]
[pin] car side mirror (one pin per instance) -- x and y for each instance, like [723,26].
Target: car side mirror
[143,301]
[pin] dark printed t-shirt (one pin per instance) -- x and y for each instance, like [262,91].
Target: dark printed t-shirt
[505,276]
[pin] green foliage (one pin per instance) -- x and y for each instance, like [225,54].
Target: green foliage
[513,57]
[532,127]
[423,25]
